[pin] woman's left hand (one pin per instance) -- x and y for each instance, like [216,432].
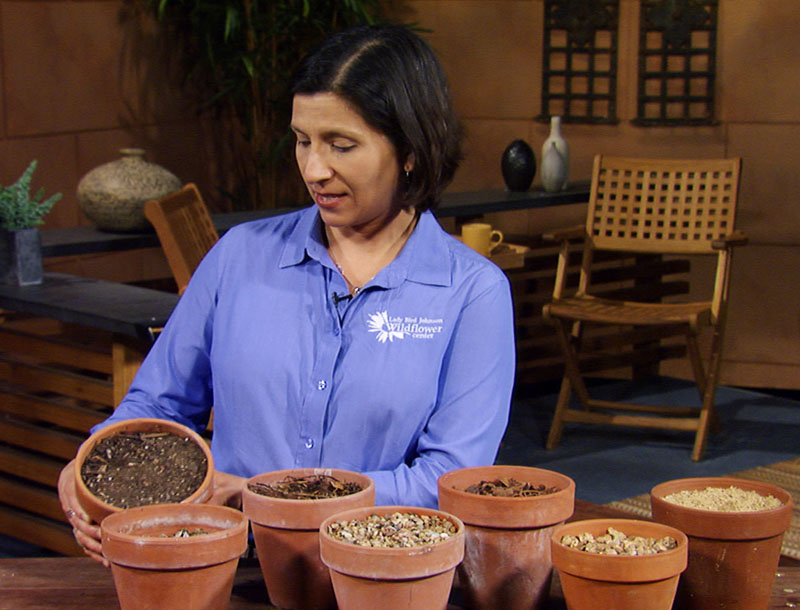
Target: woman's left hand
[227,489]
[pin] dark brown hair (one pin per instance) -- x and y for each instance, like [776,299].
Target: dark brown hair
[392,77]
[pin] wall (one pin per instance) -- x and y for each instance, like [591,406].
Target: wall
[71,96]
[492,52]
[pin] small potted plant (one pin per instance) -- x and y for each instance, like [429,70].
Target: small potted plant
[20,241]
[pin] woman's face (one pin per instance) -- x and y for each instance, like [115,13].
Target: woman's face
[350,169]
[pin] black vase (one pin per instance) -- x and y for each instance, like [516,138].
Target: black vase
[518,165]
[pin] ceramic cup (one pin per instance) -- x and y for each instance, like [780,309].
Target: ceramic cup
[481,237]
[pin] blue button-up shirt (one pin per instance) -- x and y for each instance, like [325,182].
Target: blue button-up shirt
[408,379]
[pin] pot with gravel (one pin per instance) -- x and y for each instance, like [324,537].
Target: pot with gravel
[735,529]
[392,557]
[618,563]
[286,508]
[509,513]
[170,556]
[140,462]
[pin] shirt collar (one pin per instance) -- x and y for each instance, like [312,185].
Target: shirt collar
[424,259]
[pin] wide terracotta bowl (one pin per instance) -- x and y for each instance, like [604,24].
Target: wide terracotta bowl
[96,508]
[155,569]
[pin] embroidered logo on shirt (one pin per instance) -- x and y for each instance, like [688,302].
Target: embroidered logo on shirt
[389,328]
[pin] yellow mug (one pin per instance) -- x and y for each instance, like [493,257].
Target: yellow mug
[481,237]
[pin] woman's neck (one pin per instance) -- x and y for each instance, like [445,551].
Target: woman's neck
[361,253]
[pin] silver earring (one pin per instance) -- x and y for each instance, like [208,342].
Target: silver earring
[408,175]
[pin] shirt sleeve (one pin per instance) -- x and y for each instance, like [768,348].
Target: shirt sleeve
[470,418]
[174,381]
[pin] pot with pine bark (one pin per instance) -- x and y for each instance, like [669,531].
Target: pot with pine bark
[286,532]
[509,513]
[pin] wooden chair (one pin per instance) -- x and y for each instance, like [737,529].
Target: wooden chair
[653,206]
[185,230]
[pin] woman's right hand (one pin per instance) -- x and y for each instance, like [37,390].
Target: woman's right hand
[86,533]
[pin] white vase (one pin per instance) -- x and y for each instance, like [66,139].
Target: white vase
[555,159]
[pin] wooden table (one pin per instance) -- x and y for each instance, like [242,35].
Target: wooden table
[80,583]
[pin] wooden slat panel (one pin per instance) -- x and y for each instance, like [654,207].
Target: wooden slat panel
[76,418]
[45,379]
[50,350]
[49,442]
[36,468]
[42,532]
[33,499]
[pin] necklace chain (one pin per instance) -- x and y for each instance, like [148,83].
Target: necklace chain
[357,289]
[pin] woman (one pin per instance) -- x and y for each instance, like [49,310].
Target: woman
[354,333]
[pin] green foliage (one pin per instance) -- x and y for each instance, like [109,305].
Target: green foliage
[240,54]
[18,210]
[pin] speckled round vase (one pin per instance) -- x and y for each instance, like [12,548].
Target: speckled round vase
[379,578]
[286,534]
[154,569]
[591,581]
[113,195]
[507,547]
[96,508]
[733,556]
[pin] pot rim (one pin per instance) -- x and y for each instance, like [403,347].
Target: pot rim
[726,525]
[620,568]
[507,513]
[97,508]
[381,563]
[287,513]
[138,550]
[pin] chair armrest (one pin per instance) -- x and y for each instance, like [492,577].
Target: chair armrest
[737,238]
[565,233]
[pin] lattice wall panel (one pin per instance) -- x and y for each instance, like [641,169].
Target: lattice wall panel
[579,79]
[677,62]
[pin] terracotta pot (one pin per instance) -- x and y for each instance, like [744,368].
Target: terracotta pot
[413,578]
[286,534]
[733,556]
[617,582]
[96,508]
[507,549]
[155,570]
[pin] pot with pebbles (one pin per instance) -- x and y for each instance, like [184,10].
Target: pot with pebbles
[618,564]
[139,462]
[735,529]
[392,557]
[171,556]
[286,508]
[509,513]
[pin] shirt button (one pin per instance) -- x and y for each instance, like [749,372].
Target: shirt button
[322,384]
[309,443]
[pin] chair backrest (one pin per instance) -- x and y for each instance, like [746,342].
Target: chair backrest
[662,205]
[185,230]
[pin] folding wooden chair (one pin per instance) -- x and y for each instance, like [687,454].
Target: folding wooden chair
[651,206]
[185,230]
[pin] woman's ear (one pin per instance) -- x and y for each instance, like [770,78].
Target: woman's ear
[409,164]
